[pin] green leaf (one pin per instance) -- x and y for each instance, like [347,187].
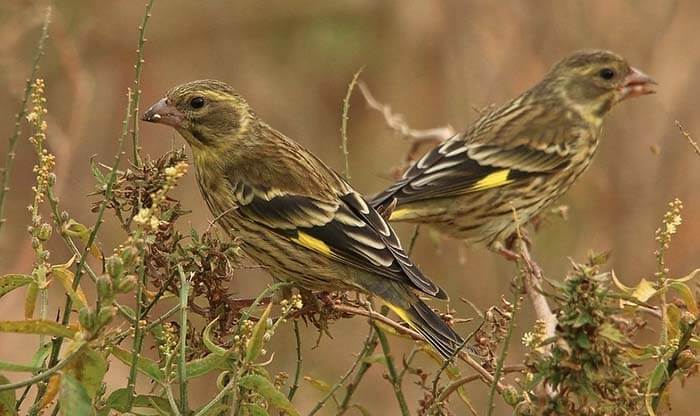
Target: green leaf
[583,341]
[657,376]
[254,410]
[100,177]
[255,342]
[76,229]
[265,388]
[10,282]
[119,399]
[159,404]
[206,364]
[65,277]
[73,398]
[318,384]
[208,342]
[687,295]
[89,368]
[673,321]
[655,379]
[7,399]
[378,358]
[41,354]
[5,366]
[610,332]
[38,327]
[144,365]
[687,277]
[30,300]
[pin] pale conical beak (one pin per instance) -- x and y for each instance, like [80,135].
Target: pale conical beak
[637,83]
[164,113]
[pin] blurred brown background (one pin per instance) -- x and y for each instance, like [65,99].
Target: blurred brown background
[432,61]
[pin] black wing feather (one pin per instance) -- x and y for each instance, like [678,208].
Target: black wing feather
[356,234]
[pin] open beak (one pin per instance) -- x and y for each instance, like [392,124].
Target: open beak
[637,83]
[164,113]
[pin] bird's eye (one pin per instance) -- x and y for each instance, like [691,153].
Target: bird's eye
[197,102]
[606,73]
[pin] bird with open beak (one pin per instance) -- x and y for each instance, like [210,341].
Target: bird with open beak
[515,160]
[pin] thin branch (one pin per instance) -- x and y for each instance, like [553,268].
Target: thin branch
[297,369]
[393,375]
[45,374]
[344,124]
[532,278]
[80,266]
[232,384]
[138,332]
[351,388]
[137,84]
[468,379]
[504,350]
[416,336]
[672,365]
[131,104]
[450,360]
[6,171]
[685,134]
[345,376]
[182,368]
[414,238]
[396,122]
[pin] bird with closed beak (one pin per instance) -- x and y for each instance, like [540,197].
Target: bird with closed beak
[516,159]
[295,215]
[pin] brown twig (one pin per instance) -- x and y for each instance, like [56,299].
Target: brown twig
[532,280]
[396,122]
[415,335]
[468,379]
[685,134]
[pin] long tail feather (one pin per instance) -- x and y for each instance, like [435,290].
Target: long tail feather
[437,332]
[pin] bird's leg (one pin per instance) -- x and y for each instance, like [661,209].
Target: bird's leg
[517,249]
[509,252]
[505,250]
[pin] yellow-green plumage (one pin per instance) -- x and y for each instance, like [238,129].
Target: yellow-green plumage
[295,215]
[519,157]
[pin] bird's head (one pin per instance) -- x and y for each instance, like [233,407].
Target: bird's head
[594,81]
[205,112]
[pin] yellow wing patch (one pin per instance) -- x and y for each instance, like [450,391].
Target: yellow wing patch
[493,180]
[400,214]
[313,243]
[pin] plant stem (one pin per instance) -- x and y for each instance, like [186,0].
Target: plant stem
[138,332]
[370,346]
[138,67]
[6,171]
[414,238]
[504,350]
[182,368]
[58,342]
[393,375]
[672,366]
[342,379]
[46,374]
[344,124]
[297,368]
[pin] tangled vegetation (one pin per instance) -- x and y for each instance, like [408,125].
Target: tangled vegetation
[595,363]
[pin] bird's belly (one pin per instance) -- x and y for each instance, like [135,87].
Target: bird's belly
[494,215]
[284,259]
